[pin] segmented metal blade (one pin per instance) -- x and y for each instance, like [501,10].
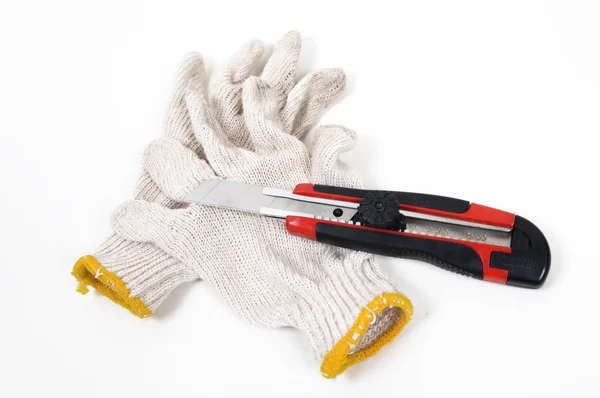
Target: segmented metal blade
[230,195]
[271,202]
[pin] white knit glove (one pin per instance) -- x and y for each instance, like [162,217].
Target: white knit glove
[139,276]
[340,298]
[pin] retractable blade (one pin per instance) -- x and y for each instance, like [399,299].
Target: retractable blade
[454,234]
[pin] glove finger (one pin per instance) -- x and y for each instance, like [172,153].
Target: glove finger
[242,63]
[142,221]
[313,93]
[219,151]
[280,70]
[327,168]
[227,99]
[177,123]
[175,169]
[262,120]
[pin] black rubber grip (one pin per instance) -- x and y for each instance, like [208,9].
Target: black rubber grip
[447,255]
[529,263]
[426,201]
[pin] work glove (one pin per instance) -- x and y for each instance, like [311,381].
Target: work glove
[339,298]
[139,276]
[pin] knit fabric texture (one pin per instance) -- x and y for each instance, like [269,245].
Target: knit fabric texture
[339,298]
[147,272]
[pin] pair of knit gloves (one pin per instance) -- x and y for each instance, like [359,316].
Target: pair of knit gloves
[248,129]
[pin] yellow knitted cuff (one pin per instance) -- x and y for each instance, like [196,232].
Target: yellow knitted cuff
[340,356]
[89,272]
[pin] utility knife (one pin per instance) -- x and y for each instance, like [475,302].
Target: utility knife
[453,234]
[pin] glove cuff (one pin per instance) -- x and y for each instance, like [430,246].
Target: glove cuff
[353,315]
[137,276]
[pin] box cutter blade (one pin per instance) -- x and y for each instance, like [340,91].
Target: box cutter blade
[456,235]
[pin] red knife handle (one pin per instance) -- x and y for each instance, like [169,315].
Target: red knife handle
[525,264]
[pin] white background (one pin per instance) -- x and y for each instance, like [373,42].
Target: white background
[494,102]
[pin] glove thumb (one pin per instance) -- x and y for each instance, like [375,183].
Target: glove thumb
[142,221]
[175,169]
[327,168]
